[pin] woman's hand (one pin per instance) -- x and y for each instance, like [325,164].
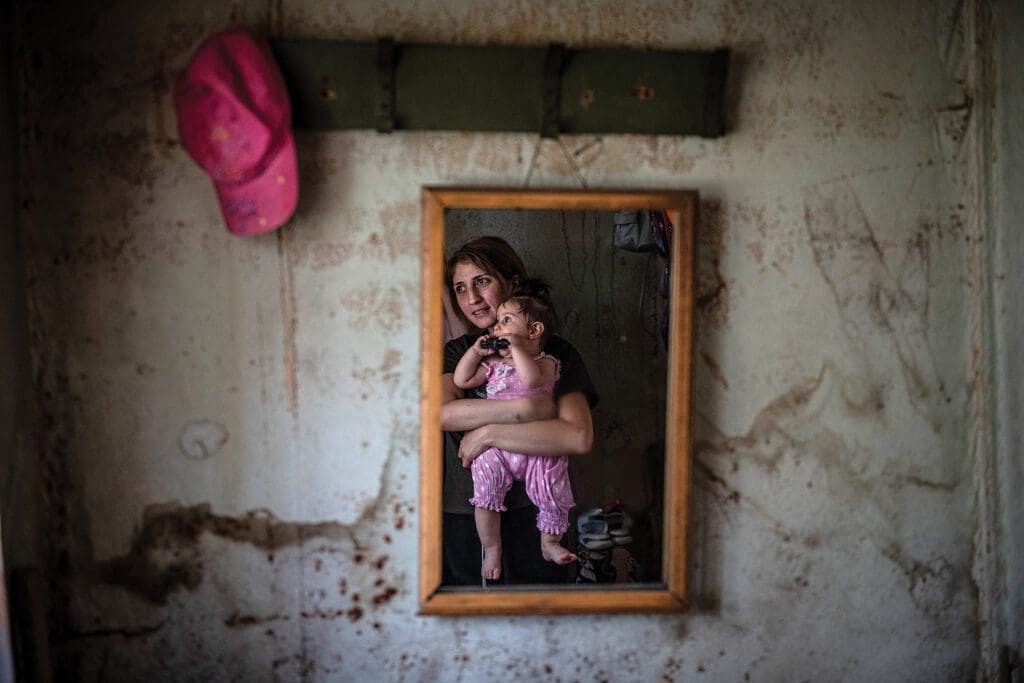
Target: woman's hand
[473,444]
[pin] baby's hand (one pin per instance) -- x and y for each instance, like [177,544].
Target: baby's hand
[479,348]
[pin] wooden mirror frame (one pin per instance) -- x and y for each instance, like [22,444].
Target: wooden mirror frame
[669,596]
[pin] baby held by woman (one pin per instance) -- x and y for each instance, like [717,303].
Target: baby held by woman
[526,321]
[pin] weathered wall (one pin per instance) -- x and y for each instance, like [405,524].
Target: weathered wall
[229,426]
[1007,250]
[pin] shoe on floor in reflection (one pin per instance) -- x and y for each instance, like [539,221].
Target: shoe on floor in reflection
[618,522]
[593,530]
[592,519]
[595,566]
[597,541]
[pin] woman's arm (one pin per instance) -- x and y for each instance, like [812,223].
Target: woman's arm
[570,433]
[533,372]
[463,414]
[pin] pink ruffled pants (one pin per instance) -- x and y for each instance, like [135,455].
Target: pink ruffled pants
[547,485]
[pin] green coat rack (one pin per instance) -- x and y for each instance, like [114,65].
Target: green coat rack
[388,86]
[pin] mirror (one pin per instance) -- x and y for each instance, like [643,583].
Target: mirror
[627,309]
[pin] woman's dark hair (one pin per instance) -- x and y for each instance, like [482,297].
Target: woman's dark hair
[494,256]
[532,298]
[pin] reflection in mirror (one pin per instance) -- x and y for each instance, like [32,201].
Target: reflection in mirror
[619,270]
[609,287]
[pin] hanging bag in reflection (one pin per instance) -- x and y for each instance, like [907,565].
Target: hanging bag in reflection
[661,226]
[634,231]
[649,231]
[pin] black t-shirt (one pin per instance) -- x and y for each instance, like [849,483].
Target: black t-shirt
[458,482]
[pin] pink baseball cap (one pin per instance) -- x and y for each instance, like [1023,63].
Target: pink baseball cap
[235,120]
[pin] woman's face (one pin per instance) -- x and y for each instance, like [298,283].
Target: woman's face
[478,294]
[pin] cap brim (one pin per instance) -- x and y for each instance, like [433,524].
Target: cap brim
[267,201]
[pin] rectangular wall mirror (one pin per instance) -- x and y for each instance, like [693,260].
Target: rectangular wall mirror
[620,267]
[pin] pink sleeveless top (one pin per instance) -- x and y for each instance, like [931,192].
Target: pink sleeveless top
[503,382]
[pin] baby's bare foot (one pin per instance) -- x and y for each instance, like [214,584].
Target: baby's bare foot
[491,567]
[553,552]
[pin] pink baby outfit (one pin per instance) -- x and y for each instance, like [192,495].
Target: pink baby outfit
[546,476]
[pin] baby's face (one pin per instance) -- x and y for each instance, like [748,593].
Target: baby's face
[511,321]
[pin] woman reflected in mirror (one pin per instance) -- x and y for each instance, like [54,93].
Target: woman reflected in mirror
[480,275]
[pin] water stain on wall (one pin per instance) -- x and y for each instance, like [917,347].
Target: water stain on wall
[715,369]
[201,439]
[712,290]
[165,555]
[388,237]
[376,308]
[933,585]
[881,309]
